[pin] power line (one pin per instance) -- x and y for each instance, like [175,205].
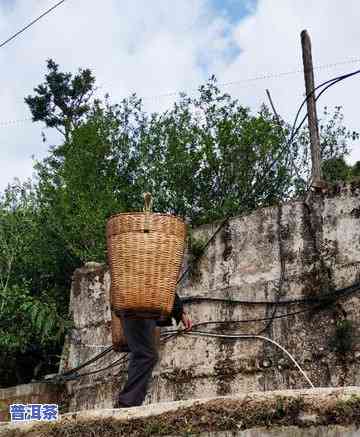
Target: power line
[323,298]
[13,122]
[30,24]
[169,334]
[235,336]
[288,73]
[319,300]
[329,83]
[261,77]
[252,336]
[264,76]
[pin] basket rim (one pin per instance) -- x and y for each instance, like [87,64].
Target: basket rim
[144,213]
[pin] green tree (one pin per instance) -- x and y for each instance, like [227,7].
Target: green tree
[201,170]
[33,305]
[334,139]
[210,157]
[203,159]
[63,99]
[336,169]
[355,171]
[94,179]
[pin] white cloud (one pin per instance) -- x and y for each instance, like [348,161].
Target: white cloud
[270,40]
[134,45]
[160,46]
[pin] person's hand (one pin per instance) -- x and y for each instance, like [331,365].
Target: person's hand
[186,321]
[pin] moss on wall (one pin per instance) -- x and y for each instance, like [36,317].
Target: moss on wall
[212,416]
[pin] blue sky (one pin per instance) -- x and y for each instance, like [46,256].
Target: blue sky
[8,5]
[235,9]
[153,49]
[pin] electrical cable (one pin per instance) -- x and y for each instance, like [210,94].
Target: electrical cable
[113,364]
[255,320]
[252,336]
[245,337]
[68,373]
[30,24]
[174,333]
[171,334]
[354,287]
[329,83]
[92,360]
[29,119]
[293,132]
[196,259]
[13,122]
[72,373]
[264,76]
[240,321]
[177,333]
[306,300]
[261,319]
[120,360]
[322,91]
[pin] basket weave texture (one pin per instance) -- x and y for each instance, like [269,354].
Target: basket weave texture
[118,337]
[145,253]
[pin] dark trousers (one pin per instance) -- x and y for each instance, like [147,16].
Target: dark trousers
[143,357]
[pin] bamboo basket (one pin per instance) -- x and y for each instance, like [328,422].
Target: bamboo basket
[118,338]
[145,252]
[117,333]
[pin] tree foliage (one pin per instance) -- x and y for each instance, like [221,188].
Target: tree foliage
[62,100]
[203,159]
[334,147]
[33,286]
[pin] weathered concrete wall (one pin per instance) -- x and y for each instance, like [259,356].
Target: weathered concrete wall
[315,247]
[299,413]
[33,393]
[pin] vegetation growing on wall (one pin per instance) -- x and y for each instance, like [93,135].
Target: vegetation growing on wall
[205,158]
[215,416]
[343,339]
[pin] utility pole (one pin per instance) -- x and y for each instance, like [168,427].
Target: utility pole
[316,174]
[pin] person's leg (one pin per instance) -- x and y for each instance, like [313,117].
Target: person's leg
[140,337]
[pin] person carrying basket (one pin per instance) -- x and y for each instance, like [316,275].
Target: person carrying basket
[140,336]
[146,251]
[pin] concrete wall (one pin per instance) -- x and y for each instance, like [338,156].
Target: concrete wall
[314,247]
[33,393]
[315,412]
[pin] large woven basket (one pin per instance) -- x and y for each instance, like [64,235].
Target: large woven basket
[118,338]
[145,253]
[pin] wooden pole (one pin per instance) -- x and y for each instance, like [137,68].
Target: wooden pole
[311,108]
